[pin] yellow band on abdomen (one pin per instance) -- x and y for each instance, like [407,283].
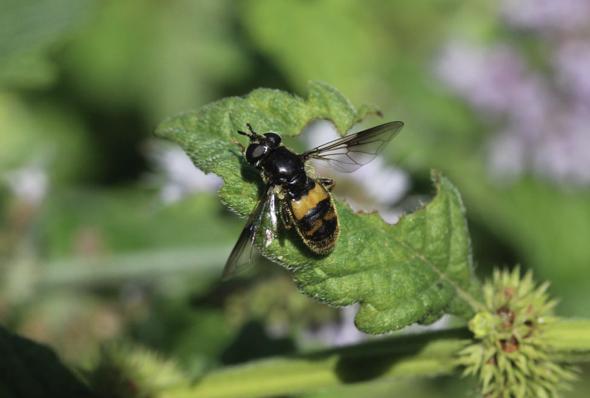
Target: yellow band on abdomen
[309,201]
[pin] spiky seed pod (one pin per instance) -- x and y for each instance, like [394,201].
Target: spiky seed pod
[126,371]
[511,357]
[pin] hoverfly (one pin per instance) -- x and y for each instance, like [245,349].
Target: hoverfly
[304,203]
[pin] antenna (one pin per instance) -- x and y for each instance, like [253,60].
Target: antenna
[253,135]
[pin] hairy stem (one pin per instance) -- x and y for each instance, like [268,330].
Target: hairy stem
[424,354]
[420,355]
[570,340]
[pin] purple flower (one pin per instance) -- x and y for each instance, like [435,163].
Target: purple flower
[572,65]
[495,80]
[545,118]
[564,152]
[546,14]
[506,155]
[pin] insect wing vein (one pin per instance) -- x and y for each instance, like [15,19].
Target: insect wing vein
[352,151]
[247,237]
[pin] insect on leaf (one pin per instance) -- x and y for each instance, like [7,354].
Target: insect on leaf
[414,271]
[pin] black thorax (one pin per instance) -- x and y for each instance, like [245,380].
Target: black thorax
[285,168]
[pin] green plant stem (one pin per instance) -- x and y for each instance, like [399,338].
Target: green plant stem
[425,354]
[569,339]
[420,355]
[142,264]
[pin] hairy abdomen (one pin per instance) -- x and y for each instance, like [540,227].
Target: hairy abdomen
[315,219]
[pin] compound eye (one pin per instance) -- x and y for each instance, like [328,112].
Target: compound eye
[255,152]
[273,139]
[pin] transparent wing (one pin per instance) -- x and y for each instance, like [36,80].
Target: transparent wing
[352,151]
[243,249]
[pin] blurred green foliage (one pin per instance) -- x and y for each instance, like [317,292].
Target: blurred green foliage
[91,253]
[46,133]
[29,31]
[156,57]
[32,370]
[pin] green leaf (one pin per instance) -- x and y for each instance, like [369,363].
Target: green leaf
[136,40]
[125,221]
[414,271]
[547,224]
[28,31]
[45,134]
[291,28]
[28,370]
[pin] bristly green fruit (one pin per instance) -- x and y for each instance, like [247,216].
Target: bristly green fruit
[414,271]
[124,370]
[511,358]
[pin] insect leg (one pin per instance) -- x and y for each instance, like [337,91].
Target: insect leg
[269,233]
[285,216]
[242,147]
[328,183]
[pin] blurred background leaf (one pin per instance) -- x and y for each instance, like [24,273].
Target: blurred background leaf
[29,31]
[32,370]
